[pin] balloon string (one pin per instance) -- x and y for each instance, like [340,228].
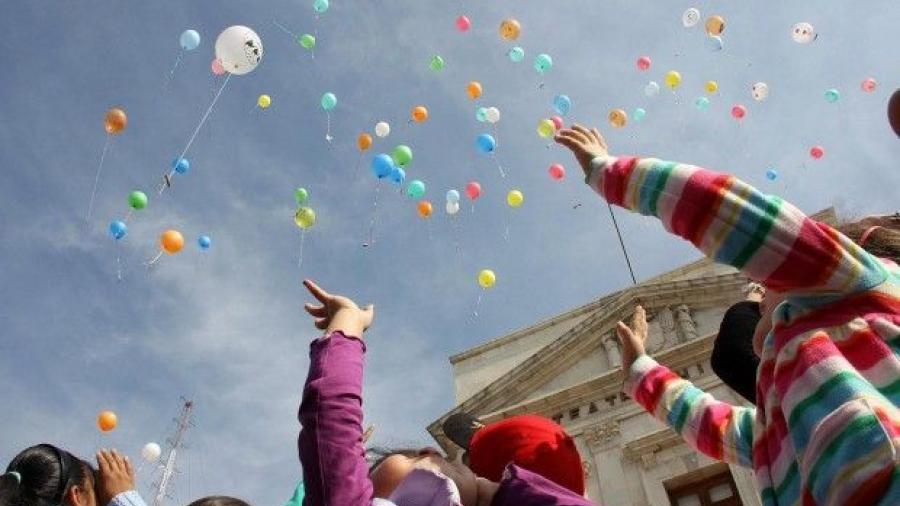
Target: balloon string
[302,239]
[283,29]
[328,136]
[478,303]
[97,179]
[455,226]
[621,242]
[128,215]
[155,259]
[371,241]
[119,275]
[499,167]
[358,162]
[172,72]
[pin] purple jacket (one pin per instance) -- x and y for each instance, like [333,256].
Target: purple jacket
[335,471]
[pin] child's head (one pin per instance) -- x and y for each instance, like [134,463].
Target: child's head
[218,500]
[394,466]
[45,475]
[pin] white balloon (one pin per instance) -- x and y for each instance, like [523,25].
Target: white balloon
[239,49]
[803,33]
[759,91]
[151,452]
[493,115]
[652,89]
[452,208]
[382,129]
[690,18]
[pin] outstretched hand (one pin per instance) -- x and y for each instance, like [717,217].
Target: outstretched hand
[338,313]
[585,144]
[633,338]
[115,475]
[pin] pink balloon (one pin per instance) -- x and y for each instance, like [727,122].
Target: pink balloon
[557,171]
[817,152]
[463,24]
[217,67]
[738,111]
[557,122]
[869,84]
[473,190]
[643,63]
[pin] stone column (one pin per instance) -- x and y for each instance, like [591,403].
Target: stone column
[687,330]
[611,345]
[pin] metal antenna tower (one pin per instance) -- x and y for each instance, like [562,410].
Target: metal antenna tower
[173,445]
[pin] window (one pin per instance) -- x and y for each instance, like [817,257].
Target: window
[592,408]
[710,486]
[574,413]
[557,418]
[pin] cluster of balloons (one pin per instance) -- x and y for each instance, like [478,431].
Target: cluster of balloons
[305,216]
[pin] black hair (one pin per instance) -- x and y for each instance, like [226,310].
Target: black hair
[44,473]
[218,500]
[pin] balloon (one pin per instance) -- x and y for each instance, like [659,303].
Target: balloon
[868,85]
[546,128]
[171,241]
[137,200]
[398,175]
[759,91]
[473,89]
[382,165]
[382,129]
[118,229]
[515,198]
[639,114]
[189,40]
[711,86]
[452,196]
[690,18]
[771,174]
[402,155]
[107,421]
[416,189]
[803,33]
[216,67]
[738,112]
[543,63]
[151,452]
[516,54]
[673,79]
[424,208]
[239,49]
[301,195]
[487,278]
[452,208]
[473,190]
[115,121]
[557,171]
[320,6]
[437,63]
[181,165]
[486,143]
[329,101]
[364,141]
[481,114]
[715,25]
[307,41]
[702,103]
[643,63]
[493,115]
[204,241]
[510,29]
[652,89]
[618,118]
[419,113]
[894,112]
[562,104]
[715,43]
[832,95]
[557,122]
[463,24]
[264,101]
[817,152]
[305,217]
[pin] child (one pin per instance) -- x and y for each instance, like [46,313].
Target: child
[827,426]
[330,444]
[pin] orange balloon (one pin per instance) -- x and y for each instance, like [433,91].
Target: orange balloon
[425,209]
[115,121]
[510,29]
[474,90]
[419,113]
[107,421]
[715,25]
[364,141]
[171,241]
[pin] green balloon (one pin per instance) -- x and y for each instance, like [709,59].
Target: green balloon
[329,101]
[402,155]
[437,63]
[307,41]
[137,200]
[301,196]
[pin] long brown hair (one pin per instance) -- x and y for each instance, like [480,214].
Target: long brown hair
[879,235]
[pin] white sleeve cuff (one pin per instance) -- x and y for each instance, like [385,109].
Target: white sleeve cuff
[130,498]
[598,165]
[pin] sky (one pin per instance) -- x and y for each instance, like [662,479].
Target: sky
[225,327]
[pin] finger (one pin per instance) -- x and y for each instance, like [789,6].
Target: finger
[322,323]
[316,290]
[115,461]
[102,463]
[567,141]
[626,336]
[598,136]
[580,133]
[129,468]
[317,311]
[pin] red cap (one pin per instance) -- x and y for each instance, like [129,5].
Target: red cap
[531,442]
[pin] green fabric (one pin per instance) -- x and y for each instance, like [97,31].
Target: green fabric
[297,500]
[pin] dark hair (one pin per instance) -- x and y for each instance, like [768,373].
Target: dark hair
[219,500]
[883,237]
[45,474]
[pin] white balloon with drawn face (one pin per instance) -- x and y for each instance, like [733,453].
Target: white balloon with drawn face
[803,33]
[690,18]
[452,208]
[759,91]
[151,452]
[382,129]
[239,49]
[493,115]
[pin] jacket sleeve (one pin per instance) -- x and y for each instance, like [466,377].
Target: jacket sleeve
[335,472]
[130,498]
[719,430]
[766,238]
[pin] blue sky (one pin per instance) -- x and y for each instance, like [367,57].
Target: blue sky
[225,327]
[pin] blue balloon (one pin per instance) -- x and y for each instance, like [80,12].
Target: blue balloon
[416,189]
[118,229]
[639,114]
[771,174]
[320,6]
[516,54]
[181,165]
[702,103]
[486,143]
[562,104]
[398,175]
[452,196]
[189,40]
[481,114]
[543,63]
[382,165]
[204,242]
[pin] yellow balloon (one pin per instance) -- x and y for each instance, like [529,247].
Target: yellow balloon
[264,101]
[487,278]
[546,128]
[673,79]
[305,217]
[515,198]
[618,118]
[712,86]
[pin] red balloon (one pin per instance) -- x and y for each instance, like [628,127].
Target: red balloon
[463,24]
[643,63]
[473,190]
[738,111]
[817,152]
[557,171]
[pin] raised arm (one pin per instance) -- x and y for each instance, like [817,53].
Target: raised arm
[768,239]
